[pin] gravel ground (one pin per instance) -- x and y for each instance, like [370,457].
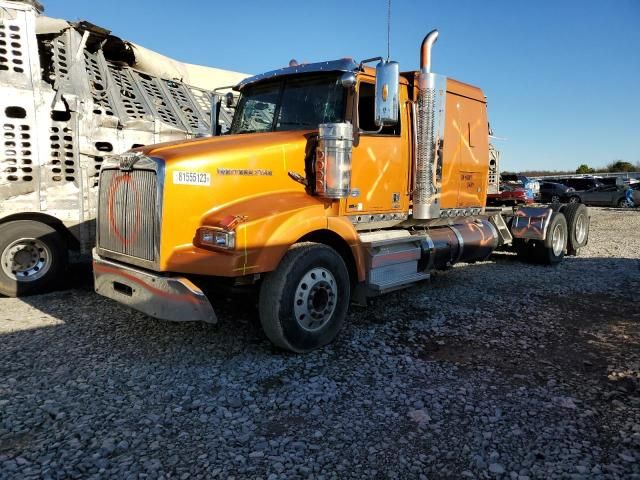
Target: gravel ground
[496,369]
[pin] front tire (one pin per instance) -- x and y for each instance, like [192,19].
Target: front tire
[33,257]
[303,303]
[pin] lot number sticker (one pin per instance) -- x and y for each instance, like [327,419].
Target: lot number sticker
[191,178]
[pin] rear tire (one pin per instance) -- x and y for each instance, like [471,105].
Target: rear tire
[303,303]
[33,257]
[577,217]
[551,250]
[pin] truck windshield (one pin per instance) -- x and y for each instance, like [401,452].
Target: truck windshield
[294,103]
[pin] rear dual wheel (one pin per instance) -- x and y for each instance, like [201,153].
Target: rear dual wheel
[549,251]
[304,301]
[578,224]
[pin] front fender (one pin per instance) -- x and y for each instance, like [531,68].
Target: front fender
[267,239]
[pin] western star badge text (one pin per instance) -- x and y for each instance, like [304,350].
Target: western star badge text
[259,172]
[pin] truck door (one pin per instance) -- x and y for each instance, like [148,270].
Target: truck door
[380,161]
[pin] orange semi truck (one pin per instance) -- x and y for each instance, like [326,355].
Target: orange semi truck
[337,182]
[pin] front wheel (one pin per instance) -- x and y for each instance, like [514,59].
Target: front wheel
[304,301]
[624,203]
[33,256]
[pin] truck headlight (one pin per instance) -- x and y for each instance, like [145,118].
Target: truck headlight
[215,238]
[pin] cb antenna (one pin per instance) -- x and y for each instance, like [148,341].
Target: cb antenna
[388,30]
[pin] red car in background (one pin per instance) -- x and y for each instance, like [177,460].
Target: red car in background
[509,195]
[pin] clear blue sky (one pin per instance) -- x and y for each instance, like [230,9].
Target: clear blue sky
[562,77]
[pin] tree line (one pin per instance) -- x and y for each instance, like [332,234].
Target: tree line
[616,166]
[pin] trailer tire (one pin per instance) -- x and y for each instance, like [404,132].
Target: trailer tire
[304,301]
[33,257]
[551,251]
[577,217]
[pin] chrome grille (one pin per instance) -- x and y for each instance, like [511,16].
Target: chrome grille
[127,217]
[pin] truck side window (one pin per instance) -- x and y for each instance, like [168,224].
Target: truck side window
[366,111]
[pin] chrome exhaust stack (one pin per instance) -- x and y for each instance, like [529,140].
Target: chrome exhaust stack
[425,50]
[430,130]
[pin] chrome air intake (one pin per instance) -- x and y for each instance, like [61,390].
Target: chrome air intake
[430,128]
[333,160]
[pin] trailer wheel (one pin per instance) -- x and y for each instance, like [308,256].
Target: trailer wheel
[303,302]
[578,226]
[33,256]
[551,250]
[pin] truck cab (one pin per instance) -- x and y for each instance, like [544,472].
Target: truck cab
[337,182]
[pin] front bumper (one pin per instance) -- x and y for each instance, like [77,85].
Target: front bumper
[164,297]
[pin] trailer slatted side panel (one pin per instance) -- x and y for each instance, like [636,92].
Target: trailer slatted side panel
[62,166]
[131,97]
[103,103]
[196,121]
[159,101]
[14,56]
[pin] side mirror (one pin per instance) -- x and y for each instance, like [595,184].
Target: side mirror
[387,86]
[230,100]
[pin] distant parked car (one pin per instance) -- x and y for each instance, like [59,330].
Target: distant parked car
[605,196]
[509,195]
[579,184]
[611,181]
[532,187]
[557,192]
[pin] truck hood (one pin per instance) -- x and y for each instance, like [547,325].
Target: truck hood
[250,144]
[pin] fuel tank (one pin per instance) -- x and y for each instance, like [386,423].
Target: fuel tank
[441,247]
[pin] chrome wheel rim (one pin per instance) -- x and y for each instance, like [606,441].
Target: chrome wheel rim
[581,229]
[625,204]
[315,299]
[26,260]
[573,200]
[555,199]
[557,240]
